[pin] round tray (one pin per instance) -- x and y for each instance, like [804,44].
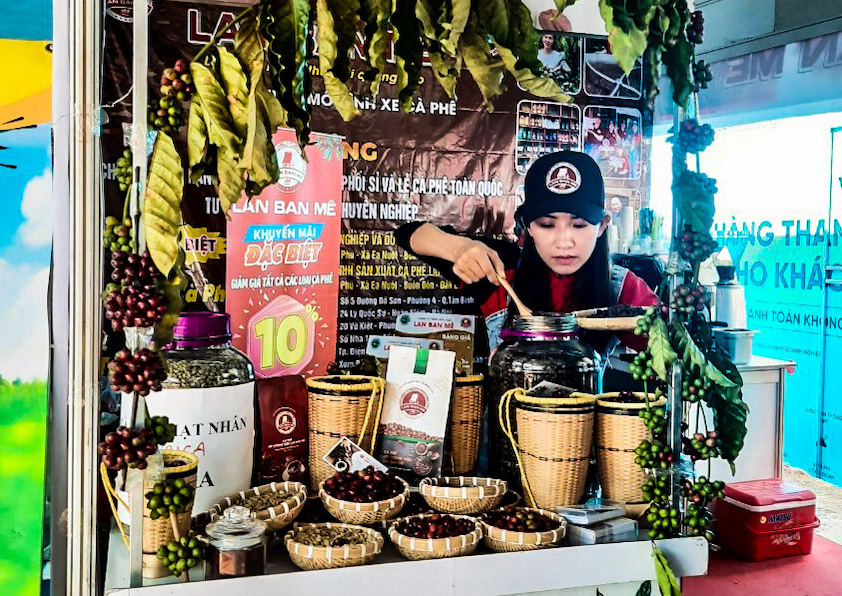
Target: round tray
[461,494]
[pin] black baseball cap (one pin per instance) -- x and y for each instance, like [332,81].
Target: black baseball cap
[563,182]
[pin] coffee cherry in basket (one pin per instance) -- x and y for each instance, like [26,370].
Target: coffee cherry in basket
[435,526]
[181,555]
[516,519]
[364,486]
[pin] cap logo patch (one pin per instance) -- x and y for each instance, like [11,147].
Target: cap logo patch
[563,178]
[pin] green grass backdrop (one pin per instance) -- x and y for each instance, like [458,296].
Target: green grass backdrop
[23,413]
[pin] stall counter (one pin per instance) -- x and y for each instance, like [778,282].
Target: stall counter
[616,569]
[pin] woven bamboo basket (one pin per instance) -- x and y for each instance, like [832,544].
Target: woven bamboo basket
[463,495]
[277,517]
[417,549]
[553,445]
[157,532]
[311,558]
[506,541]
[465,431]
[341,405]
[350,512]
[619,430]
[590,319]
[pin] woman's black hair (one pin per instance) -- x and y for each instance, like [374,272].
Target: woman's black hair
[592,288]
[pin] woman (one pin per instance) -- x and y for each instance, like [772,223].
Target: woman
[563,265]
[554,62]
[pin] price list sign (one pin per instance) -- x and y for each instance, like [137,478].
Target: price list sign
[282,273]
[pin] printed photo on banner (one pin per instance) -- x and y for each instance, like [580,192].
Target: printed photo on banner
[613,137]
[605,78]
[561,57]
[545,127]
[581,17]
[623,204]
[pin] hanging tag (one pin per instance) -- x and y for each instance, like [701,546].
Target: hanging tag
[422,357]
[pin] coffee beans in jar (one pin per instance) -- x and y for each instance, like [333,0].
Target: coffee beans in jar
[535,349]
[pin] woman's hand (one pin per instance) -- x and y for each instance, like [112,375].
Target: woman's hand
[474,261]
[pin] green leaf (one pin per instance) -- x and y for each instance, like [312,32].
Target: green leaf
[493,18]
[375,14]
[408,50]
[486,69]
[161,212]
[667,581]
[259,160]
[344,24]
[538,85]
[236,89]
[197,140]
[329,64]
[459,13]
[694,358]
[446,73]
[562,4]
[275,113]
[171,287]
[678,60]
[626,46]
[248,46]
[693,201]
[730,412]
[216,109]
[645,589]
[230,181]
[660,349]
[284,24]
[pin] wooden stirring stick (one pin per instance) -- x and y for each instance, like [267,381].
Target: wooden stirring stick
[521,307]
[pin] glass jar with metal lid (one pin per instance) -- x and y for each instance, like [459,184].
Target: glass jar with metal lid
[209,396]
[237,545]
[542,347]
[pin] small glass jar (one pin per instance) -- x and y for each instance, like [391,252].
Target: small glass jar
[237,545]
[201,354]
[543,347]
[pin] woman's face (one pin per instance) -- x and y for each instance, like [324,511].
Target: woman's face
[565,242]
[611,127]
[547,42]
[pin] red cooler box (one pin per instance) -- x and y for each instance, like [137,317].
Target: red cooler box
[766,519]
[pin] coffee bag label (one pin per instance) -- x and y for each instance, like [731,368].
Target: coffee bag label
[379,346]
[415,411]
[283,445]
[455,332]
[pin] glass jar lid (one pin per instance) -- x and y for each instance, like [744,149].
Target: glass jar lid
[236,529]
[543,326]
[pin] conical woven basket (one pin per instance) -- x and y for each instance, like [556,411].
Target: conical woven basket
[341,405]
[553,445]
[619,430]
[465,424]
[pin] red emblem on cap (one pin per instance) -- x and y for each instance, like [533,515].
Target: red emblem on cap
[563,178]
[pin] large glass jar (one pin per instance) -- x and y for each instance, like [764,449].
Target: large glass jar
[209,396]
[237,545]
[201,354]
[535,349]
